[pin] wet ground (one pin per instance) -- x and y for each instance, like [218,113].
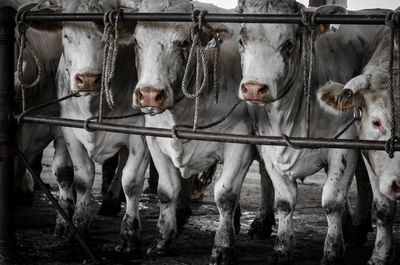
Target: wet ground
[36,244]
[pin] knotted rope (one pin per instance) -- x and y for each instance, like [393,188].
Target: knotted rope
[110,38]
[22,42]
[197,63]
[308,41]
[393,21]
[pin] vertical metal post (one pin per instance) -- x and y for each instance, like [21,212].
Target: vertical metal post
[7,133]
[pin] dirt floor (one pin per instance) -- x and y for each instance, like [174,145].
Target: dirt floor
[36,244]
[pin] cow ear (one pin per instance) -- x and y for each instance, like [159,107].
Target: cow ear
[44,6]
[333,98]
[330,10]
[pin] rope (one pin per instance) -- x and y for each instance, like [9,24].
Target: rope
[308,41]
[110,38]
[197,62]
[24,113]
[392,20]
[176,126]
[22,42]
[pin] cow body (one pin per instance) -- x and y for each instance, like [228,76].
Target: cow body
[370,97]
[273,84]
[80,71]
[162,52]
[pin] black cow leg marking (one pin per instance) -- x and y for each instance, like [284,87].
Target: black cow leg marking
[129,235]
[261,227]
[236,219]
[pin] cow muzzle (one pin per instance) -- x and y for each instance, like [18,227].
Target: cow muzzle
[88,82]
[254,91]
[151,97]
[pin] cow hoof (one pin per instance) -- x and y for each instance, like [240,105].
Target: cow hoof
[223,256]
[182,216]
[279,258]
[110,207]
[159,249]
[129,235]
[61,230]
[261,227]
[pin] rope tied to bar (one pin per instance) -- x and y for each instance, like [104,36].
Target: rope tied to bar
[110,39]
[393,21]
[197,63]
[308,41]
[22,42]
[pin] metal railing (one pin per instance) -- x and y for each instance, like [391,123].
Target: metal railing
[7,115]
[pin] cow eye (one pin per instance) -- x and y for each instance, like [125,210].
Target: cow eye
[184,44]
[241,44]
[376,123]
[288,46]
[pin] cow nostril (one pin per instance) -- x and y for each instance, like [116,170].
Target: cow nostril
[160,97]
[396,186]
[98,79]
[139,95]
[244,89]
[78,79]
[263,90]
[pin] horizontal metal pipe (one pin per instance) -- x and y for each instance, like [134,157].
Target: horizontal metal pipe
[228,18]
[212,136]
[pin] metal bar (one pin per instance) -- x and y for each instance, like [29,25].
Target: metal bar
[377,19]
[7,133]
[56,205]
[212,136]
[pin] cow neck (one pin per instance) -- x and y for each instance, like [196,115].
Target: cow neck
[288,114]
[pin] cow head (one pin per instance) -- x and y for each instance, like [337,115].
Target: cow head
[270,53]
[161,54]
[368,95]
[82,42]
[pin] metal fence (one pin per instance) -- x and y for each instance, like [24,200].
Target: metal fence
[7,115]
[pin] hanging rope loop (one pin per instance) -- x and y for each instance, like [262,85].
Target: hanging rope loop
[22,42]
[197,64]
[393,21]
[308,51]
[110,38]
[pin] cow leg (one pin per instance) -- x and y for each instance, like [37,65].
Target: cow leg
[24,184]
[169,186]
[237,160]
[341,167]
[286,199]
[83,181]
[132,184]
[385,209]
[261,227]
[153,179]
[64,173]
[361,223]
[111,204]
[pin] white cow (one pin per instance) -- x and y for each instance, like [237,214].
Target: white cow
[162,51]
[272,83]
[370,95]
[80,70]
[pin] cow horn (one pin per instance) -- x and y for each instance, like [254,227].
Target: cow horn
[357,84]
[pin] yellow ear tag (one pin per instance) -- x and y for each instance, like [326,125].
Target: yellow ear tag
[322,29]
